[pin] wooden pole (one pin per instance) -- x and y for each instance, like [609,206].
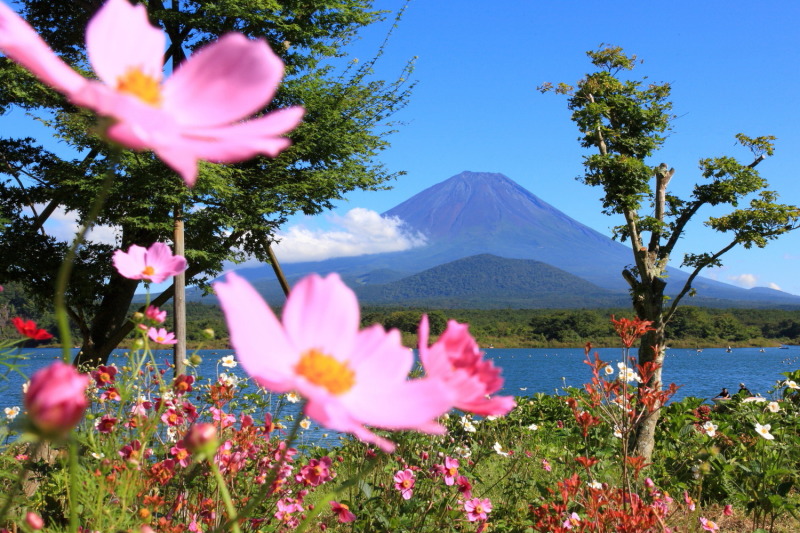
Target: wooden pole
[179,299]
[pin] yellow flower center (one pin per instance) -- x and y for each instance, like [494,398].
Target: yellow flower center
[142,86]
[326,372]
[148,271]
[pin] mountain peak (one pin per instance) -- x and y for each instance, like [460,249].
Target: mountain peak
[471,204]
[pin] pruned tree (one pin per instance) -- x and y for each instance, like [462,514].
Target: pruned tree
[233,211]
[625,122]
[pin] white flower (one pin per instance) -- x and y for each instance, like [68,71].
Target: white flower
[98,455]
[292,397]
[533,427]
[229,362]
[595,484]
[608,369]
[305,423]
[710,428]
[462,451]
[627,374]
[617,432]
[773,407]
[172,433]
[499,449]
[229,380]
[492,417]
[168,396]
[25,387]
[791,384]
[764,431]
[467,424]
[11,412]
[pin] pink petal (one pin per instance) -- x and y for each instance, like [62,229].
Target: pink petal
[322,314]
[120,38]
[258,338]
[160,257]
[380,353]
[329,416]
[223,82]
[130,264]
[410,405]
[22,44]
[242,140]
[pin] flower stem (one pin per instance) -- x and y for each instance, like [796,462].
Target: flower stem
[73,486]
[233,518]
[64,272]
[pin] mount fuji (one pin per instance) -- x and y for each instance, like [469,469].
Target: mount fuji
[494,221]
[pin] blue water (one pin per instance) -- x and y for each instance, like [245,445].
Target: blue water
[546,370]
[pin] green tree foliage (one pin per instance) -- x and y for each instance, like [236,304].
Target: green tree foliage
[233,211]
[624,122]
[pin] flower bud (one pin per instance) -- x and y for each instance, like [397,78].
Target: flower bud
[34,521]
[208,333]
[202,438]
[56,399]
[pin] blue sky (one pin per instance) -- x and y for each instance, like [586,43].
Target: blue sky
[733,67]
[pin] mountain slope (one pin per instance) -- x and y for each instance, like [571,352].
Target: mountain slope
[488,281]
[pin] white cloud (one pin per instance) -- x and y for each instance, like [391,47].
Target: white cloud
[774,286]
[63,226]
[359,232]
[744,280]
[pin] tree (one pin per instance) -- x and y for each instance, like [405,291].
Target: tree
[234,210]
[625,121]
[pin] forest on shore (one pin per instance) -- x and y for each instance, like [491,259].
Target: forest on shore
[700,327]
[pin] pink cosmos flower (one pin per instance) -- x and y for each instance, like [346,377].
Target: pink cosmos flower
[477,509]
[546,465]
[450,470]
[708,525]
[688,501]
[192,115]
[316,472]
[458,363]
[572,520]
[181,453]
[342,512]
[350,378]
[106,424]
[104,375]
[464,486]
[56,398]
[161,336]
[404,482]
[154,313]
[152,264]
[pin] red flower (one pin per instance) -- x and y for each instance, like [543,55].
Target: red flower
[28,329]
[343,512]
[630,330]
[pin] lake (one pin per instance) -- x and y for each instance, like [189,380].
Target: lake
[528,371]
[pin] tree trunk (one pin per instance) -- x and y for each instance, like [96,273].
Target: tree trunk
[652,348]
[648,302]
[110,317]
